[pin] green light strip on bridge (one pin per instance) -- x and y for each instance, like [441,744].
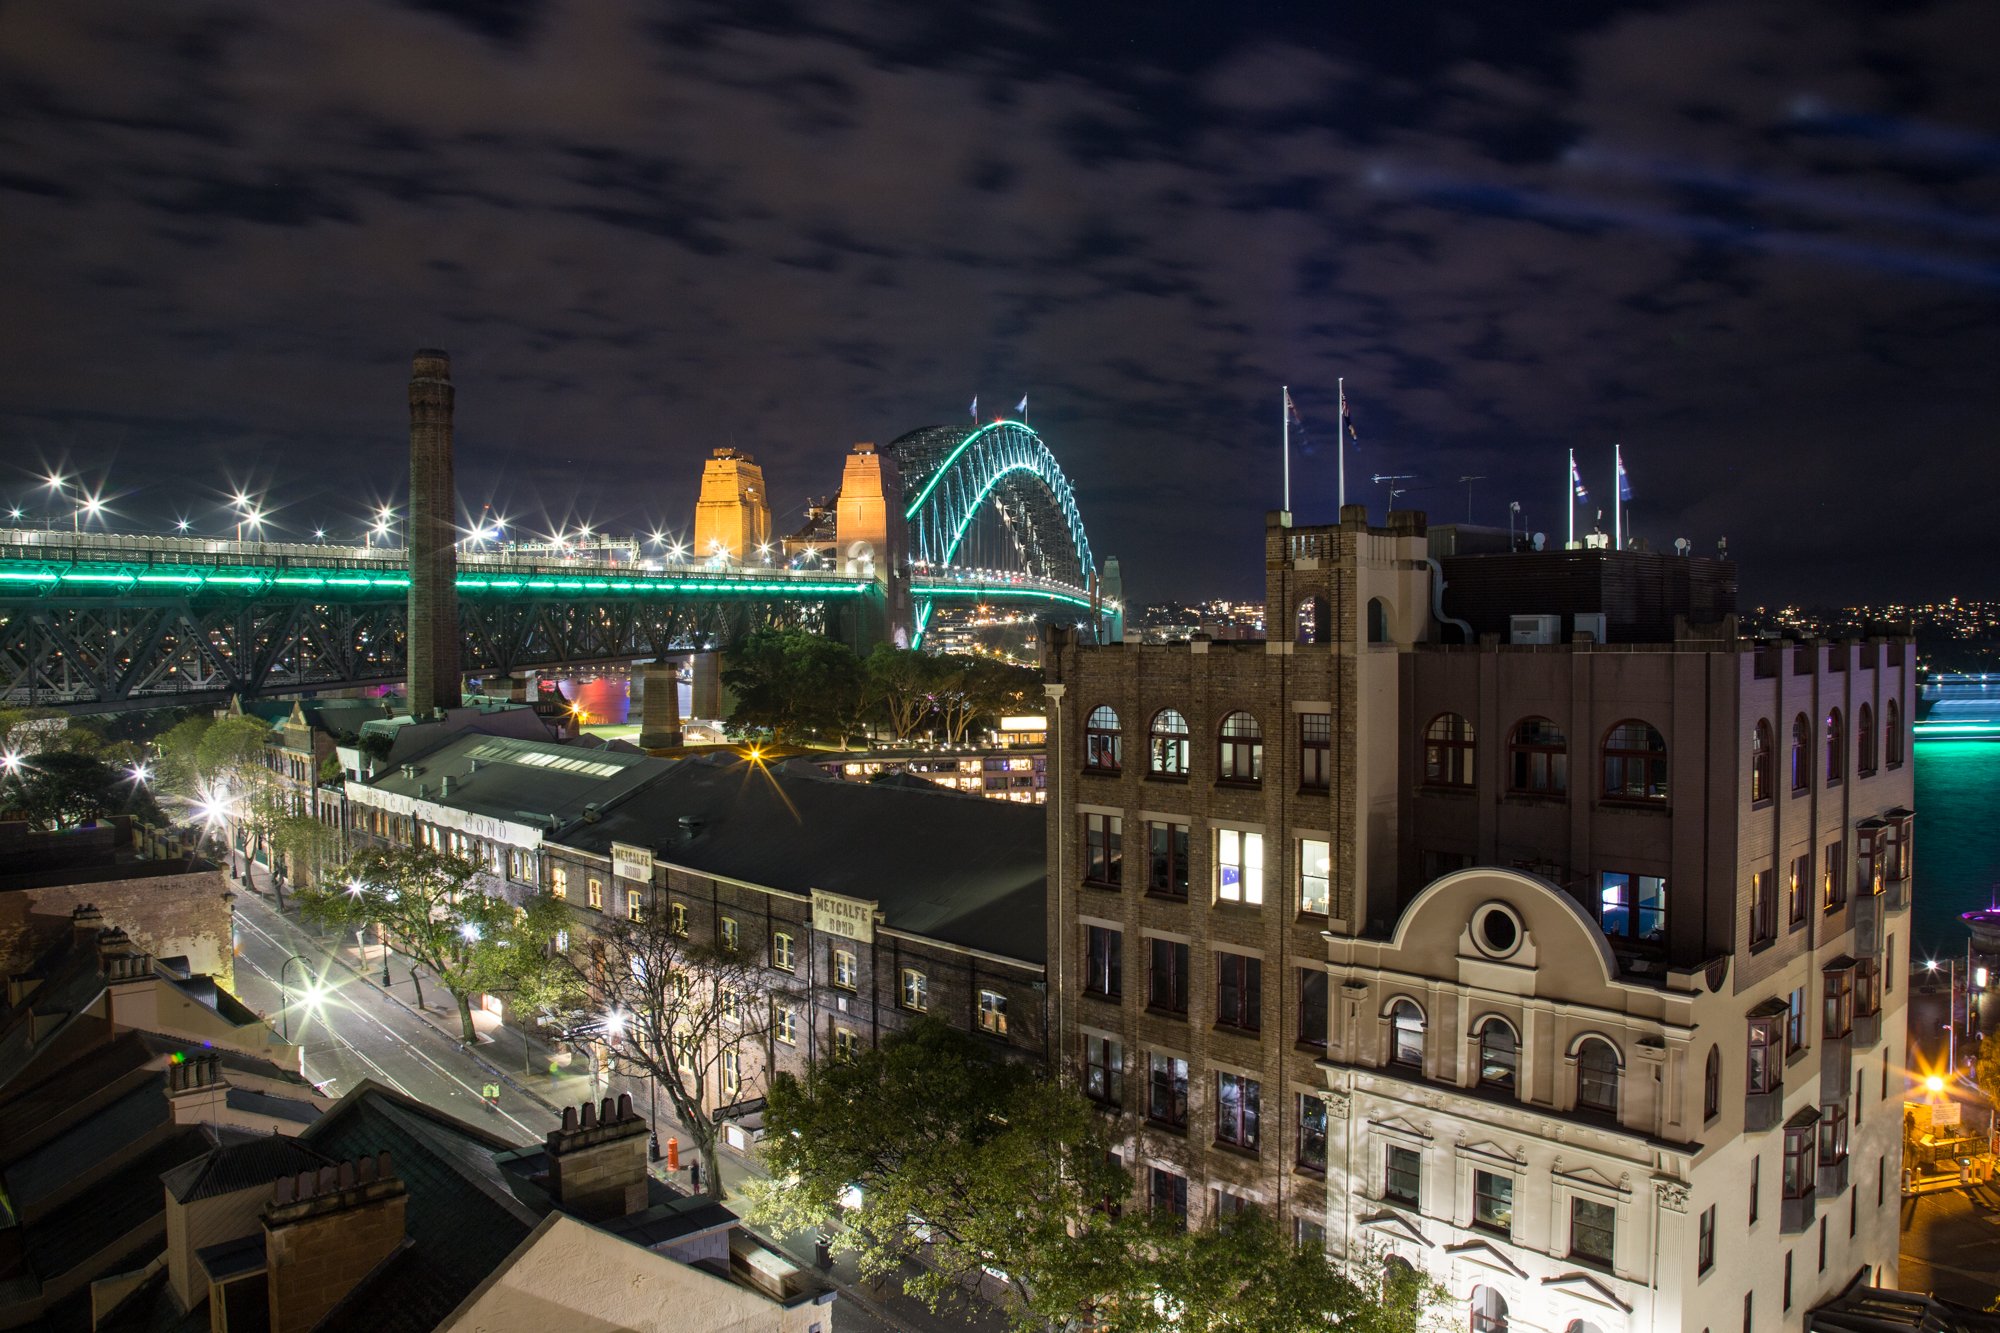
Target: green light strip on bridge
[946,590]
[952,457]
[263,578]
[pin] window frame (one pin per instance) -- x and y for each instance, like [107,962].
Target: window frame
[1711,1084]
[1799,1179]
[1634,907]
[1538,765]
[1324,878]
[1103,967]
[1625,751]
[1396,1169]
[783,956]
[1488,1026]
[1606,1225]
[1166,1087]
[1239,1122]
[1802,754]
[1798,882]
[1309,1153]
[1401,1050]
[845,970]
[1103,1069]
[1836,748]
[1179,964]
[1763,763]
[1595,1079]
[1763,907]
[1169,852]
[1167,746]
[1246,860]
[1103,850]
[1450,752]
[1103,743]
[913,991]
[1240,977]
[1239,750]
[1864,741]
[1764,1055]
[1313,981]
[1833,876]
[1894,742]
[1316,752]
[1495,1200]
[1705,1242]
[993,1013]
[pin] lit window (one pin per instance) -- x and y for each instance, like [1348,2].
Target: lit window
[731,933]
[781,951]
[1167,745]
[1632,908]
[993,1013]
[1240,752]
[595,893]
[846,1045]
[1763,907]
[1762,762]
[634,901]
[1103,743]
[1499,1054]
[1833,875]
[1493,1201]
[916,990]
[1766,1055]
[732,1073]
[1799,889]
[785,1024]
[562,941]
[846,970]
[1239,867]
[1238,1102]
[677,919]
[1406,1034]
[559,881]
[1315,876]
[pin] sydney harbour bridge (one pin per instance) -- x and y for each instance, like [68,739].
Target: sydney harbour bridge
[108,621]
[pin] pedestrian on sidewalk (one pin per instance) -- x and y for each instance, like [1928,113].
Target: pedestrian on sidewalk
[694,1176]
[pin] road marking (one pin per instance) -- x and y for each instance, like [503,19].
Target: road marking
[533,1135]
[338,1040]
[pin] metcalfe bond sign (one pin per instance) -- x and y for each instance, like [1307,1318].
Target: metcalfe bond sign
[629,862]
[849,918]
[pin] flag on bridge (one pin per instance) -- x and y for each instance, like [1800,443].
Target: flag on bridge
[974,409]
[1022,406]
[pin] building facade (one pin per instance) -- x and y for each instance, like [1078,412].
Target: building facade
[1563,969]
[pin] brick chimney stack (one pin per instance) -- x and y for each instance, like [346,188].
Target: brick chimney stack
[597,1161]
[324,1231]
[432,644]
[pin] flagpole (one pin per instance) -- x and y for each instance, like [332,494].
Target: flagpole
[1618,498]
[1285,421]
[1340,439]
[1569,500]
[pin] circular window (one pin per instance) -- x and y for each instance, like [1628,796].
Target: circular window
[1496,930]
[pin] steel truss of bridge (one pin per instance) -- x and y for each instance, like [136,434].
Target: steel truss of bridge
[102,623]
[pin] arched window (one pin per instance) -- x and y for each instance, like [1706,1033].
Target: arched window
[1167,745]
[1836,748]
[1311,625]
[1378,621]
[1711,1085]
[1406,1034]
[1801,753]
[1864,741]
[1499,1054]
[1635,763]
[1448,751]
[1763,763]
[1489,1311]
[1241,750]
[1103,743]
[1597,1077]
[1892,734]
[1538,758]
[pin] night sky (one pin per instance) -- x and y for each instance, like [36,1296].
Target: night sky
[1757,243]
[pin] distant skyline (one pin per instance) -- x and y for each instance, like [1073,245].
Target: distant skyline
[1754,242]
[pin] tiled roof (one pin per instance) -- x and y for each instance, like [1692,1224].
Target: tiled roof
[240,1163]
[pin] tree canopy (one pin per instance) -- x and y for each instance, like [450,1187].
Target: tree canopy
[984,1167]
[797,686]
[62,789]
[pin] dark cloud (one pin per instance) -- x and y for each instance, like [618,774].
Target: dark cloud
[1751,242]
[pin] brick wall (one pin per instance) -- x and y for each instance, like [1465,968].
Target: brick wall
[188,914]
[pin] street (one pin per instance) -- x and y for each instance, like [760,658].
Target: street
[357,1031]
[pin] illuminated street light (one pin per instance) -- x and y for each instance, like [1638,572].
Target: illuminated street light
[614,1023]
[1934,1084]
[181,526]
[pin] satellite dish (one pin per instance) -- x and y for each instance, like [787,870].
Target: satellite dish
[1682,546]
[1541,540]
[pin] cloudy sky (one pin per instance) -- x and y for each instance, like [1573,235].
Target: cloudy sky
[1757,242]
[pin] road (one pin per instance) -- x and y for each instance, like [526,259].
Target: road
[356,1031]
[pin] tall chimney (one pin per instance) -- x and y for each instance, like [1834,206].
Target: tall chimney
[326,1230]
[433,640]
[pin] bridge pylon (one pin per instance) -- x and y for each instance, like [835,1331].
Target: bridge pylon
[872,540]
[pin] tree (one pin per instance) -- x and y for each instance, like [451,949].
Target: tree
[1986,1067]
[471,942]
[60,789]
[307,845]
[967,688]
[984,1167]
[897,684]
[794,684]
[175,767]
[674,1009]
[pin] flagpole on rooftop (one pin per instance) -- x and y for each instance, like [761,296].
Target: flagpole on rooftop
[1340,440]
[1285,421]
[1618,499]
[1569,500]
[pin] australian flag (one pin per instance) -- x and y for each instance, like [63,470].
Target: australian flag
[974,409]
[1624,483]
[1292,411]
[1347,421]
[1576,482]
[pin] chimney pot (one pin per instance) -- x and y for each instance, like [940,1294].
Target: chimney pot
[589,1115]
[569,1120]
[624,1106]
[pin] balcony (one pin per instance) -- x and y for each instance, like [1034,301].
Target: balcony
[1867,1030]
[1796,1215]
[1762,1109]
[1832,1178]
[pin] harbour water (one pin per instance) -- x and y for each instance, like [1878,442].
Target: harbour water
[1958,840]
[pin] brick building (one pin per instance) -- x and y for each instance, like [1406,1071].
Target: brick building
[1604,1018]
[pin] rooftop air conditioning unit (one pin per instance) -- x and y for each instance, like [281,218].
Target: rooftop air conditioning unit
[1590,623]
[1534,629]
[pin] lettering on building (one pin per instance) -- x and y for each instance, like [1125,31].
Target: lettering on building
[849,918]
[629,862]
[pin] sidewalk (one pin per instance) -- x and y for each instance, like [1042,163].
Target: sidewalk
[550,1086]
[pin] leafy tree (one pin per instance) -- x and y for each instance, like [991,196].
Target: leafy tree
[985,1167]
[426,900]
[60,789]
[307,845]
[176,770]
[1986,1067]
[674,1007]
[794,684]
[967,688]
[897,685]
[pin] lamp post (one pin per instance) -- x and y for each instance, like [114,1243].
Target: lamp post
[284,991]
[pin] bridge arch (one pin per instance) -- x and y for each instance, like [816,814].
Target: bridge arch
[951,472]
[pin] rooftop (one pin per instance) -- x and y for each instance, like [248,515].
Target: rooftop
[521,781]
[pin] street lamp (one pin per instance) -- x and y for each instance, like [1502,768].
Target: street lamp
[284,991]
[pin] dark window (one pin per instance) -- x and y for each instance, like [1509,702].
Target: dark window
[1837,1003]
[1867,987]
[1763,763]
[1635,763]
[1756,1186]
[1167,745]
[1822,1245]
[1240,750]
[1493,1201]
[1316,751]
[1705,1247]
[1104,961]
[1785,1291]
[1103,742]
[1312,1132]
[1489,1311]
[1448,751]
[1836,748]
[1711,1085]
[1763,907]
[1499,1054]
[1833,875]
[1795,1021]
[1103,1070]
[1593,1231]
[1801,753]
[1538,758]
[1312,1006]
[1892,734]
[1799,890]
[1166,1092]
[1406,1034]
[1239,991]
[1378,621]
[1597,1077]
[1799,1150]
[1167,980]
[1167,860]
[1405,1182]
[1167,1193]
[1864,741]
[1832,1133]
[1748,1306]
[1632,908]
[1103,849]
[1237,1110]
[1766,1065]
